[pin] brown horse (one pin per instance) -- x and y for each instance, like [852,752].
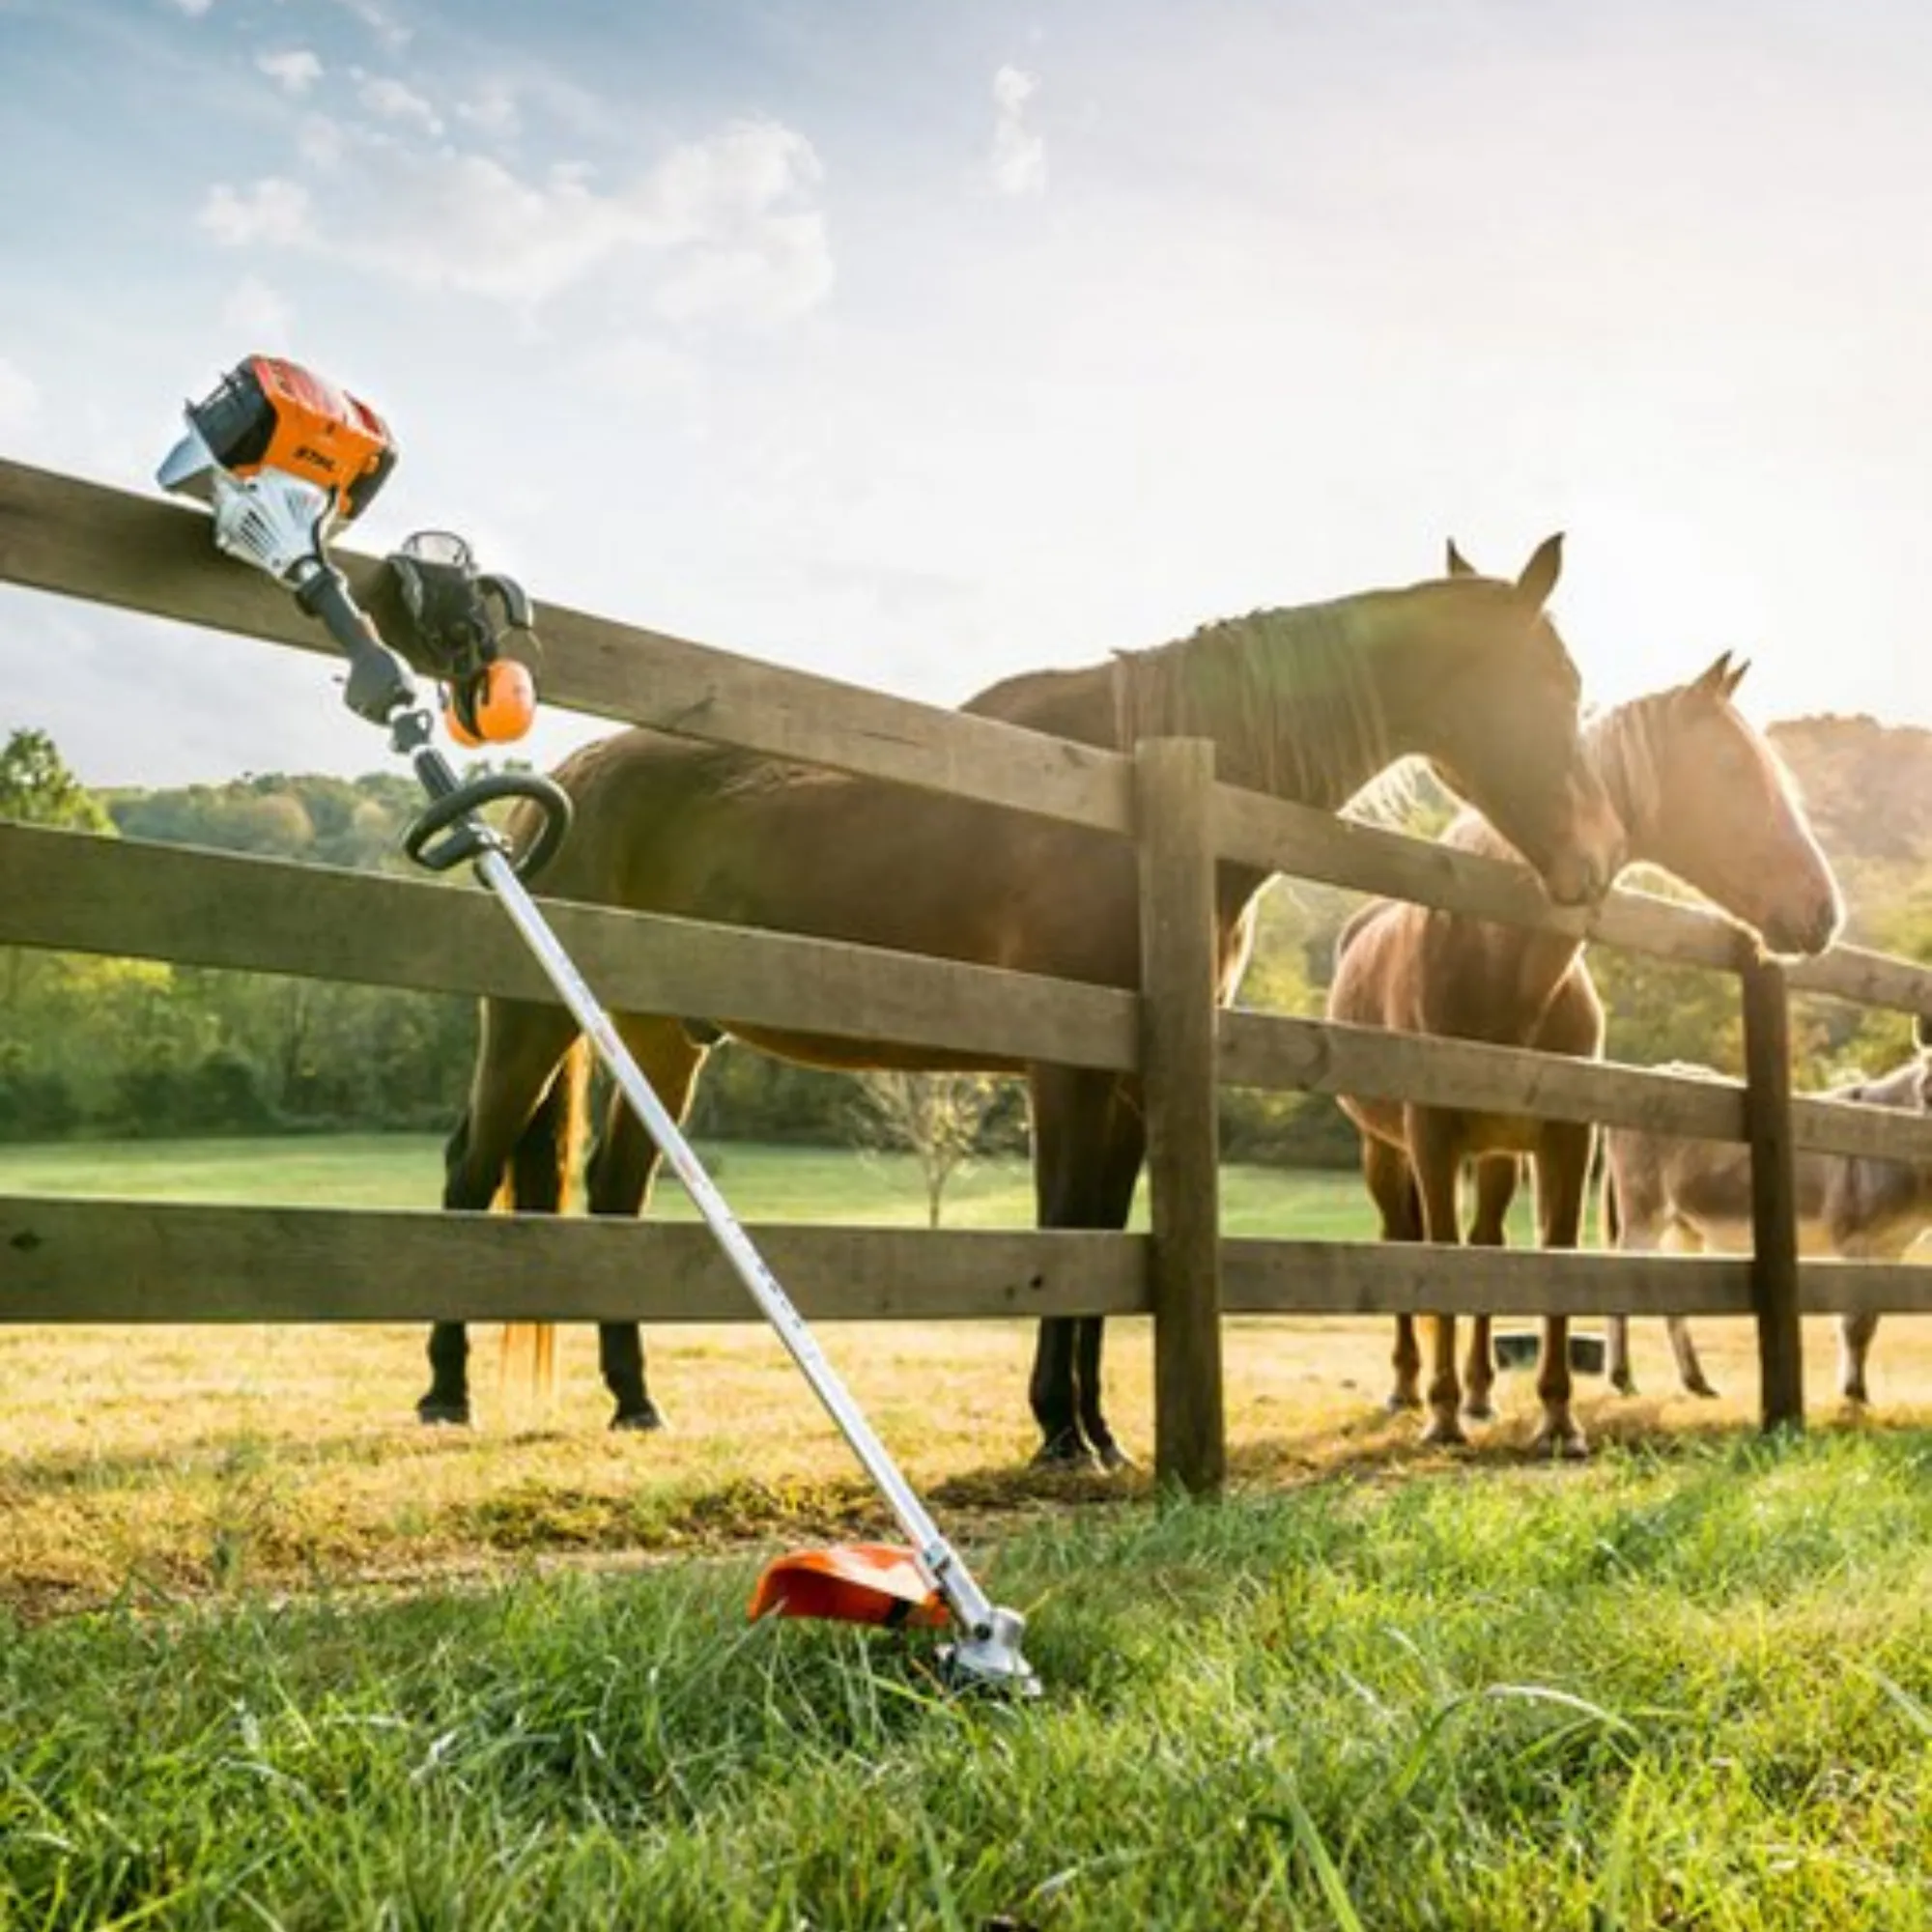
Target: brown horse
[1307,704]
[1702,795]
[1693,1197]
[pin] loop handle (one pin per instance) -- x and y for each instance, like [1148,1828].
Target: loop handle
[471,838]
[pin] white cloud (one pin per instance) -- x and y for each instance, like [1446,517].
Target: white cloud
[787,270]
[644,371]
[1019,157]
[193,9]
[274,211]
[19,396]
[492,109]
[260,312]
[297,69]
[321,140]
[379,21]
[395,100]
[725,225]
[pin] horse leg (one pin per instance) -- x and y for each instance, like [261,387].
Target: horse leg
[1855,1340]
[1562,1169]
[1392,1185]
[1496,1188]
[1436,1157]
[516,1057]
[623,1165]
[1689,1370]
[1618,1352]
[1613,1235]
[1127,1147]
[1088,1141]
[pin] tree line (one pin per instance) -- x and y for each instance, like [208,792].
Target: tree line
[94,1046]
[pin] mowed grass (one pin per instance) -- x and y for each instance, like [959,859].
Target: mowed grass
[1676,1688]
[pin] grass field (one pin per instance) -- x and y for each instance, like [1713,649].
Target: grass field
[271,1654]
[1672,1689]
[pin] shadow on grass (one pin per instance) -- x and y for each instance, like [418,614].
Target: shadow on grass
[541,1520]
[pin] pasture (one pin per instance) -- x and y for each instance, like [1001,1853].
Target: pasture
[170,1462]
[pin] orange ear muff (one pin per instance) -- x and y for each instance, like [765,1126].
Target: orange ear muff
[506,704]
[496,707]
[457,719]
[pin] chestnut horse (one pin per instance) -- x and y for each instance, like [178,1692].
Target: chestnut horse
[1694,1197]
[1702,795]
[1307,704]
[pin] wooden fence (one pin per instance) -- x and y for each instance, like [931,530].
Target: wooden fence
[124,1261]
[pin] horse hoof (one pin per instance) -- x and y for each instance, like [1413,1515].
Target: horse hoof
[1401,1400]
[1480,1409]
[1701,1387]
[645,1419]
[1443,1431]
[434,1414]
[1624,1384]
[1065,1451]
[1565,1443]
[1114,1459]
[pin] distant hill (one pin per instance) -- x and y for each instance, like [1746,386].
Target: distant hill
[1868,794]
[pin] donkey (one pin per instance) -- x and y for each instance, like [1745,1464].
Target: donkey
[1702,795]
[1685,1196]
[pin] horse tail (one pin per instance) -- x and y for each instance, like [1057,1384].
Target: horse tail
[538,1182]
[1613,1214]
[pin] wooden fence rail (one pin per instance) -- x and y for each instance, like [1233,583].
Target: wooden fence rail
[95,1260]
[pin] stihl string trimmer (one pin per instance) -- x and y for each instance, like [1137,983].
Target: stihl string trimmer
[283,459]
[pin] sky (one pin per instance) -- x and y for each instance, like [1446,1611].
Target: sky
[917,345]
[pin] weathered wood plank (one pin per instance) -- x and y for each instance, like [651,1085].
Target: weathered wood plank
[78,893]
[1293,838]
[1321,1057]
[99,1261]
[78,539]
[1852,1287]
[1880,1133]
[75,1261]
[1865,979]
[1781,1340]
[1273,1277]
[1173,785]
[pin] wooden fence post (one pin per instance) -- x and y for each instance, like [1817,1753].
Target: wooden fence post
[1174,782]
[1780,1346]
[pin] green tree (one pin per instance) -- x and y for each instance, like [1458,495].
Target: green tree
[37,788]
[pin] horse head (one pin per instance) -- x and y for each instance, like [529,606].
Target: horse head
[1722,815]
[1495,717]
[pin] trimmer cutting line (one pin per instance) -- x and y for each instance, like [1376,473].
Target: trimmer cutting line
[283,458]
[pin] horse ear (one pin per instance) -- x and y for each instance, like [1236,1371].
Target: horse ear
[1715,680]
[1458,564]
[1540,574]
[1737,677]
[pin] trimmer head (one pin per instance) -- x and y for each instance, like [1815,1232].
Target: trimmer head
[851,1583]
[881,1583]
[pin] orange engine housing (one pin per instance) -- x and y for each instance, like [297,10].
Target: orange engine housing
[274,414]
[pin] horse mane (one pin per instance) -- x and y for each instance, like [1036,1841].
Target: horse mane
[1287,695]
[1622,744]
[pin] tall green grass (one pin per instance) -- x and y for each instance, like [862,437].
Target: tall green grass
[1679,1690]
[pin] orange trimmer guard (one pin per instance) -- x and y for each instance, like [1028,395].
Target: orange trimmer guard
[853,1583]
